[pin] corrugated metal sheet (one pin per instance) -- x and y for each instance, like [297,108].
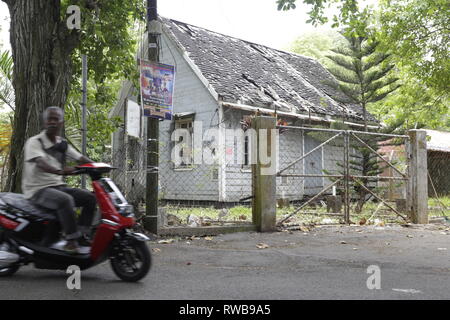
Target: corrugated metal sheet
[438,140]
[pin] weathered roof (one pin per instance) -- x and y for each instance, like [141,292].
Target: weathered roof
[439,140]
[256,75]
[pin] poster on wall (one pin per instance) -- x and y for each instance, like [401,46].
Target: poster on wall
[157,83]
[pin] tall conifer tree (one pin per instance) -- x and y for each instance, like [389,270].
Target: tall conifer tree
[363,73]
[364,76]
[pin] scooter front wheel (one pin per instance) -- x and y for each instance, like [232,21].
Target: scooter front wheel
[132,262]
[9,271]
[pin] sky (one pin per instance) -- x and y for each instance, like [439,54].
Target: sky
[256,21]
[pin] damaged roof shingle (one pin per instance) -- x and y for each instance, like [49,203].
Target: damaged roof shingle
[256,75]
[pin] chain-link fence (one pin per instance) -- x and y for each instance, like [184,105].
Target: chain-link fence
[190,194]
[438,162]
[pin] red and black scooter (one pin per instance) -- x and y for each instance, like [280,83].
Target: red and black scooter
[27,231]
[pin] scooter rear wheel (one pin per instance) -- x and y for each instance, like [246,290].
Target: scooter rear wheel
[124,263]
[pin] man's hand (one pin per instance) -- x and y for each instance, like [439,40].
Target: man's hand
[67,171]
[84,160]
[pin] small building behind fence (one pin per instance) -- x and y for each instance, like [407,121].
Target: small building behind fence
[438,158]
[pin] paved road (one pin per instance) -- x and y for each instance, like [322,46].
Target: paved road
[325,263]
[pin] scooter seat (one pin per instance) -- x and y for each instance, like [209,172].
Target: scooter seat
[18,201]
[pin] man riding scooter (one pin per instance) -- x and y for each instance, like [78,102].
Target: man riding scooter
[42,182]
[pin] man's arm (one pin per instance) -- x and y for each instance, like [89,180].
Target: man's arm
[44,166]
[78,157]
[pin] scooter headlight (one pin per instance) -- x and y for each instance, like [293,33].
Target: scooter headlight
[126,210]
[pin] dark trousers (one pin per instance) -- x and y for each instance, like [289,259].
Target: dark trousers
[63,200]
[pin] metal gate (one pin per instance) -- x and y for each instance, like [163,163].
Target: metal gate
[351,176]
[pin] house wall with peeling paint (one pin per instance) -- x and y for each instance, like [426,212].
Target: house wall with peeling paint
[190,95]
[292,144]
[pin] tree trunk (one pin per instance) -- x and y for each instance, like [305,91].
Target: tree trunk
[41,49]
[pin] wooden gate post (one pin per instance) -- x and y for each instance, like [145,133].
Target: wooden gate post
[263,174]
[418,189]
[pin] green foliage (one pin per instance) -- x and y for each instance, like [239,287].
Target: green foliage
[316,44]
[99,126]
[6,88]
[349,15]
[106,38]
[415,105]
[109,39]
[5,144]
[419,32]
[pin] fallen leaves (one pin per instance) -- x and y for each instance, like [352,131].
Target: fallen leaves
[304,229]
[166,241]
[208,238]
[156,250]
[262,246]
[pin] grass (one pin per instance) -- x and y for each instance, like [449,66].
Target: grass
[313,215]
[244,213]
[439,207]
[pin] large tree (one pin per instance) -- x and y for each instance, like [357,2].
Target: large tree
[46,57]
[417,32]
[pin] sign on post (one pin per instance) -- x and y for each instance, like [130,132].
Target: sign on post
[133,119]
[157,83]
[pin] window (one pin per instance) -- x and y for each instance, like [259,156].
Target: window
[184,143]
[215,174]
[246,151]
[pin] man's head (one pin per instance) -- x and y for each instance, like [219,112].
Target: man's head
[53,120]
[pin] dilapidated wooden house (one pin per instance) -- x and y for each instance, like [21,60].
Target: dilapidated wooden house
[221,80]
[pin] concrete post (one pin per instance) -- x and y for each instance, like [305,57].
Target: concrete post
[418,189]
[264,164]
